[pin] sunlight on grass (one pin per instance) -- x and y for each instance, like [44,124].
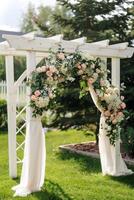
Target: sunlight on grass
[68,176]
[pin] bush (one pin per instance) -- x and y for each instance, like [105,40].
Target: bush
[3,114]
[127,134]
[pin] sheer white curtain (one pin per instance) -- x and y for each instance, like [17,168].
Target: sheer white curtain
[110,165]
[33,169]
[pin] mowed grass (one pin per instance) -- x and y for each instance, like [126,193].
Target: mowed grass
[68,176]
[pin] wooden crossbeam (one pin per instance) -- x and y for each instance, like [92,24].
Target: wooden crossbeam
[81,40]
[123,45]
[57,38]
[100,48]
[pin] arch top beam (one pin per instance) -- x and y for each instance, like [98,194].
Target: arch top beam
[123,45]
[57,38]
[81,40]
[103,43]
[100,48]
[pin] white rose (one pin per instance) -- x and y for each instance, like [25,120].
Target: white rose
[42,102]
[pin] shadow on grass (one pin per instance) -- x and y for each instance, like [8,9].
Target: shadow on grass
[88,164]
[127,180]
[92,165]
[52,191]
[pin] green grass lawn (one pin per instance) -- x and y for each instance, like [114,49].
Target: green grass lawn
[68,176]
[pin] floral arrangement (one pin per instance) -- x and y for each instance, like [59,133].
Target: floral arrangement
[60,67]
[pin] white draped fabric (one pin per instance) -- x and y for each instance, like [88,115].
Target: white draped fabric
[33,169]
[109,162]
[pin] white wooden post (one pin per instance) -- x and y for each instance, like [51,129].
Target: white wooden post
[116,82]
[11,102]
[31,64]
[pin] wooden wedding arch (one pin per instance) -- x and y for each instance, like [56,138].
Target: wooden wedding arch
[35,49]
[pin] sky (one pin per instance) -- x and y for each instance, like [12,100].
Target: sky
[11,12]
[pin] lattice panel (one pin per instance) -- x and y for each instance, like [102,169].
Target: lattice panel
[20,133]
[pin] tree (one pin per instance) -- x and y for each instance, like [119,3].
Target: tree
[98,20]
[19,67]
[28,24]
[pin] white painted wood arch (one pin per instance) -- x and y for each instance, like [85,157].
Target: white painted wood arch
[35,48]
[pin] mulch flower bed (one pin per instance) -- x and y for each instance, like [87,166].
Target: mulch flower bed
[93,148]
[88,147]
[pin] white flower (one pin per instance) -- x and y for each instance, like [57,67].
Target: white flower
[43,68]
[116,90]
[109,128]
[42,102]
[92,65]
[95,75]
[109,90]
[39,70]
[114,131]
[70,79]
[98,70]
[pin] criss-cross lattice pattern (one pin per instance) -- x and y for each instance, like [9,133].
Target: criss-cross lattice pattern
[20,131]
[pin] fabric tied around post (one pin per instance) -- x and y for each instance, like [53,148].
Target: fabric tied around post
[33,169]
[109,164]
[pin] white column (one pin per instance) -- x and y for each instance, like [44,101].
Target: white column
[11,107]
[31,65]
[116,82]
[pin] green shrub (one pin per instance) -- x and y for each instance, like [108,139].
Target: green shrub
[127,134]
[3,114]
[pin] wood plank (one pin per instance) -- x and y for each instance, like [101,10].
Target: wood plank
[44,44]
[116,83]
[11,105]
[123,45]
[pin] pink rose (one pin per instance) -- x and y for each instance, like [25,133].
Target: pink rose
[83,66]
[37,93]
[33,98]
[78,65]
[123,105]
[90,81]
[52,69]
[49,73]
[80,72]
[61,56]
[114,121]
[120,114]
[107,113]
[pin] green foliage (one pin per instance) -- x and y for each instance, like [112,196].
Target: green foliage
[127,133]
[2,68]
[19,67]
[98,20]
[42,20]
[28,24]
[3,114]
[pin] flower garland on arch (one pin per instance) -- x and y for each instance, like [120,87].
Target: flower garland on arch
[60,68]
